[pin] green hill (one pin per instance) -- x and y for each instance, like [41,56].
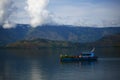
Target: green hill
[107,41]
[42,43]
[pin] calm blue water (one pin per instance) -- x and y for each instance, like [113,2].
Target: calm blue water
[44,64]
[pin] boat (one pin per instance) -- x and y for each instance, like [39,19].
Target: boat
[84,56]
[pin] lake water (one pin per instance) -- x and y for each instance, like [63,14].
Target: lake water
[44,64]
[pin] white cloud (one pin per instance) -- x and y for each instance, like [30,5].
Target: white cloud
[68,12]
[4,5]
[8,25]
[31,12]
[37,11]
[9,10]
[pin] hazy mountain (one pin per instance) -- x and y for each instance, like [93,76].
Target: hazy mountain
[13,34]
[107,41]
[111,40]
[55,32]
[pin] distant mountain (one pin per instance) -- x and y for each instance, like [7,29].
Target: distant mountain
[55,32]
[111,40]
[13,34]
[108,41]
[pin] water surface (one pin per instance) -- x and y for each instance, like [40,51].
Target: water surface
[44,64]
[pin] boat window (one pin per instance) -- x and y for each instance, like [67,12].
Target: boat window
[85,54]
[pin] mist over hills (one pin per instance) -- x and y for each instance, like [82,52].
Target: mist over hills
[108,41]
[55,32]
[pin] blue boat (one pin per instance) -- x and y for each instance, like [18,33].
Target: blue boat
[84,56]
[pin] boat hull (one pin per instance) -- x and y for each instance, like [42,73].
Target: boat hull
[69,59]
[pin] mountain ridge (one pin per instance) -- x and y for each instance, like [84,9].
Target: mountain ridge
[108,41]
[55,32]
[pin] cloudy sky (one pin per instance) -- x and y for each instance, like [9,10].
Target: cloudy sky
[99,13]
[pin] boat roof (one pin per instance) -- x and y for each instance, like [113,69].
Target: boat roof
[86,53]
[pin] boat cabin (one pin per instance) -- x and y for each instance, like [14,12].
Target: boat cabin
[87,54]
